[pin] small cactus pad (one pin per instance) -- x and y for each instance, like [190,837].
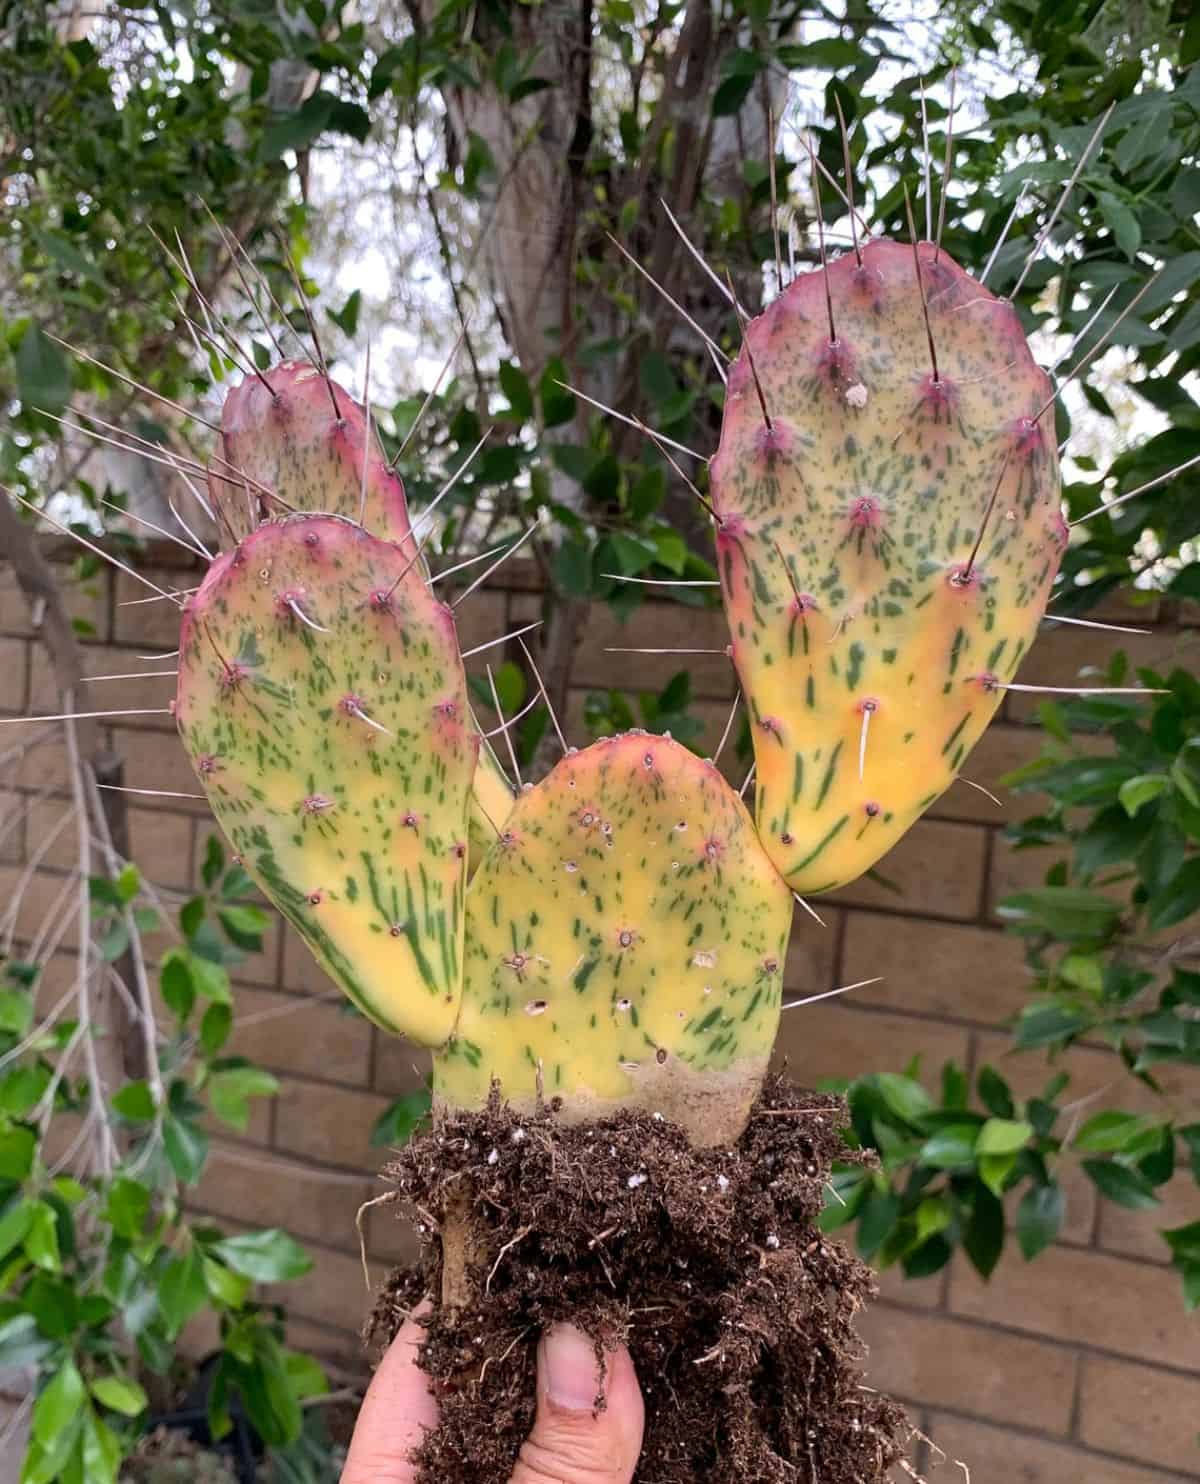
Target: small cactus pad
[323,704]
[887,539]
[280,434]
[625,942]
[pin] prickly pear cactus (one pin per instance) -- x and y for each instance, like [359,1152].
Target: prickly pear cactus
[625,945]
[889,528]
[323,704]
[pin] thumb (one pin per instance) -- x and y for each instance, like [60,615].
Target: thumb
[572,1442]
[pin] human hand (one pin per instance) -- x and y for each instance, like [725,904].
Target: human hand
[569,1443]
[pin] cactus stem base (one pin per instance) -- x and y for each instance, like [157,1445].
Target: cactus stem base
[707,1263]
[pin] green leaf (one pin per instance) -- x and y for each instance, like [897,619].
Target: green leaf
[558,404]
[1067,912]
[1184,1242]
[1120,1184]
[1039,1218]
[994,1170]
[225,1286]
[244,926]
[135,1102]
[57,1408]
[515,386]
[15,1222]
[16,1011]
[230,1090]
[934,1214]
[186,1146]
[43,372]
[265,1256]
[1003,1136]
[1135,792]
[951,1148]
[903,1095]
[346,318]
[316,115]
[1179,899]
[304,1373]
[1048,1025]
[127,1206]
[994,1093]
[41,1240]
[17,1146]
[397,1124]
[181,1290]
[1123,223]
[878,1215]
[119,1394]
[215,1028]
[983,1235]
[175,983]
[21,1344]
[1109,1133]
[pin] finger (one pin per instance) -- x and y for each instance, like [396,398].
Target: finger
[397,1411]
[570,1442]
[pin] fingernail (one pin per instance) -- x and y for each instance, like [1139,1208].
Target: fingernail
[570,1371]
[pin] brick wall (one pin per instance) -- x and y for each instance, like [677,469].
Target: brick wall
[1079,1366]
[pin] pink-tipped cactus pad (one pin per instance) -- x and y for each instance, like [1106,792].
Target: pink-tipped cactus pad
[889,528]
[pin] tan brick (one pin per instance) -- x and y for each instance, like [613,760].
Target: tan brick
[1136,1233]
[909,1293]
[149,692]
[1017,870]
[400,1066]
[306,1037]
[43,765]
[832,1039]
[13,807]
[390,1234]
[272,1191]
[944,1362]
[809,966]
[161,845]
[938,868]
[332,1124]
[482,617]
[156,760]
[656,626]
[43,900]
[14,610]
[333,1293]
[340,1353]
[936,968]
[1061,654]
[50,826]
[152,624]
[1072,1294]
[1145,1413]
[14,676]
[996,1455]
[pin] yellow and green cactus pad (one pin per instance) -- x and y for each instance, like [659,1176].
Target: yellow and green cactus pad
[625,945]
[323,703]
[889,529]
